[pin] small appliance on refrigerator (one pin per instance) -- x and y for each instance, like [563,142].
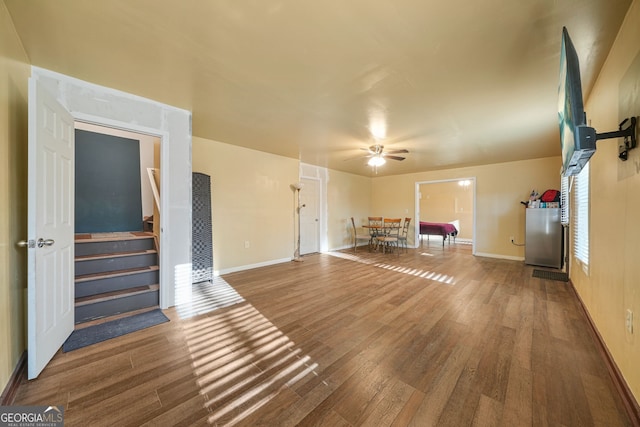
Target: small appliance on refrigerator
[543,244]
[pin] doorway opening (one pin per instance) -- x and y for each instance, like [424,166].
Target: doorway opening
[448,201]
[117,234]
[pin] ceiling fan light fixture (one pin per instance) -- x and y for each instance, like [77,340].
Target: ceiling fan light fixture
[376,161]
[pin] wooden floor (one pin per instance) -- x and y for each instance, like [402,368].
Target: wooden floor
[435,336]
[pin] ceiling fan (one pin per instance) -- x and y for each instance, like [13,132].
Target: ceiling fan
[377,155]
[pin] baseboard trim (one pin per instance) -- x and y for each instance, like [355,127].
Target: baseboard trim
[9,394]
[251,266]
[499,256]
[628,400]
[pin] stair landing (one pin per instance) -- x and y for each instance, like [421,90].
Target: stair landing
[118,235]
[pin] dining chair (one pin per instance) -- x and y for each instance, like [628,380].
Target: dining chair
[375,224]
[402,238]
[375,229]
[389,239]
[359,237]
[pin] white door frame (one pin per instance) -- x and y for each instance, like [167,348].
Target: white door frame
[92,103]
[417,207]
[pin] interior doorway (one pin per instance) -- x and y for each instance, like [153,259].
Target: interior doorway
[117,267]
[450,201]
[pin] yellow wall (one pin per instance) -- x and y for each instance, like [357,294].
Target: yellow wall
[347,196]
[251,201]
[448,202]
[14,72]
[499,190]
[613,283]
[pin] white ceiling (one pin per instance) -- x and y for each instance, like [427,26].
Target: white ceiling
[458,82]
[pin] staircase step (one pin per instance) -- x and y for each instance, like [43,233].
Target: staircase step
[112,303]
[99,283]
[116,244]
[116,274]
[103,263]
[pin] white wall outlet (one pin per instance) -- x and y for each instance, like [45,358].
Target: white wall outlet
[247,244]
[511,238]
[629,321]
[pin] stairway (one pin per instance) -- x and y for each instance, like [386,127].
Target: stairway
[115,273]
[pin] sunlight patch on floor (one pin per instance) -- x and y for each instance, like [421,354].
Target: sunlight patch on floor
[208,296]
[241,360]
[425,274]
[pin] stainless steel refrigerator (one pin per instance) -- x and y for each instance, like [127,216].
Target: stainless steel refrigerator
[543,244]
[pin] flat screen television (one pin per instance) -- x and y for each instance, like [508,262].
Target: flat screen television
[577,140]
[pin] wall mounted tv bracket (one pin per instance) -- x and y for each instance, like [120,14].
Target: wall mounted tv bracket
[629,135]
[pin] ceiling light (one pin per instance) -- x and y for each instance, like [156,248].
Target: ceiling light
[376,161]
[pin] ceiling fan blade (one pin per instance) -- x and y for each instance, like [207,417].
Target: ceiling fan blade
[360,156]
[378,150]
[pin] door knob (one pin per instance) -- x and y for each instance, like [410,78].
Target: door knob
[32,243]
[42,242]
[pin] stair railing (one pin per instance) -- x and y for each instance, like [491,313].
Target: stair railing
[154,178]
[153,174]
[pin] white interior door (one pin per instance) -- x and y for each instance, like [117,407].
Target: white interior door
[310,216]
[51,227]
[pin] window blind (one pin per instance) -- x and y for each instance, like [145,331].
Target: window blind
[564,200]
[581,217]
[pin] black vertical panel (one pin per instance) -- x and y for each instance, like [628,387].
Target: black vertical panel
[202,246]
[107,186]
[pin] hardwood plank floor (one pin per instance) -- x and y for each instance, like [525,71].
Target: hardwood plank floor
[435,336]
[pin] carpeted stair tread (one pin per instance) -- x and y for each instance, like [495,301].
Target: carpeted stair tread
[116,273]
[116,294]
[82,258]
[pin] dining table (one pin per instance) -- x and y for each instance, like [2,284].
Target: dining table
[376,230]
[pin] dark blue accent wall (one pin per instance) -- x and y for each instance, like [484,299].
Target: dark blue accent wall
[108,197]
